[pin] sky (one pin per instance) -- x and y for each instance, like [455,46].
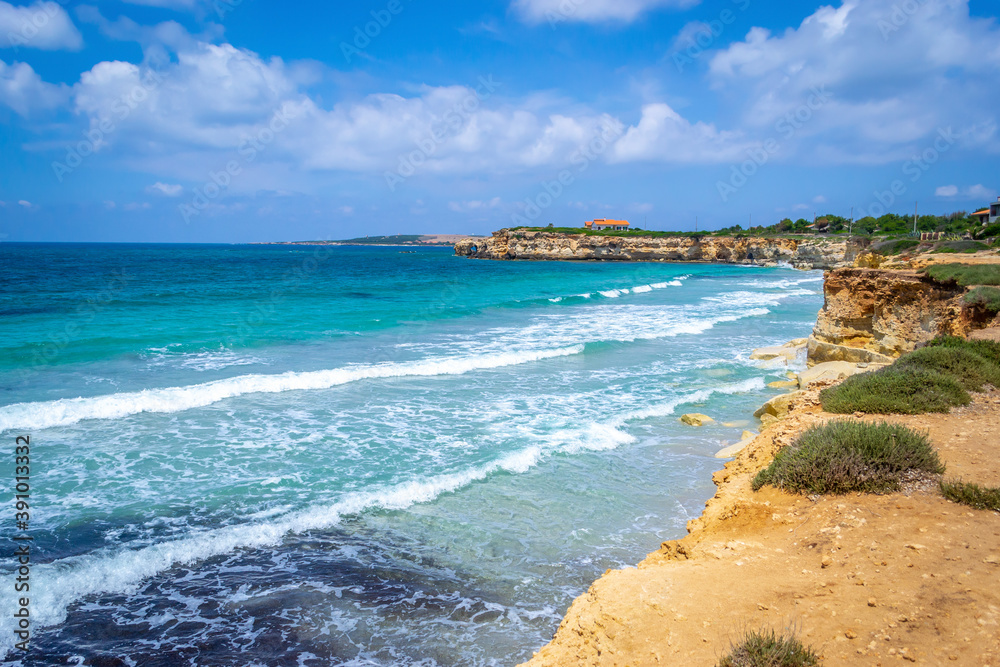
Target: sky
[253,120]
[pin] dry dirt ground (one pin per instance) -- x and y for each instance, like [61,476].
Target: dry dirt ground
[866,580]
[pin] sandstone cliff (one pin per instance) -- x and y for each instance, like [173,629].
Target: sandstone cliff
[804,254]
[874,315]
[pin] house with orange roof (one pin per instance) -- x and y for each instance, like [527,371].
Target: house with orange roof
[598,224]
[989,215]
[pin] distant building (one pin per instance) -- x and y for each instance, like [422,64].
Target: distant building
[598,224]
[989,215]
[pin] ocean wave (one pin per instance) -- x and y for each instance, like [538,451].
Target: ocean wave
[62,412]
[122,570]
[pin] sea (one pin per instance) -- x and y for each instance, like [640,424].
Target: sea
[335,455]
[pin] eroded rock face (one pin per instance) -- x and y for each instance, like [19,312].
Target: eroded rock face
[874,315]
[804,254]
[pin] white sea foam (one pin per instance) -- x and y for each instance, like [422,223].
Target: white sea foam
[641,289]
[121,570]
[67,411]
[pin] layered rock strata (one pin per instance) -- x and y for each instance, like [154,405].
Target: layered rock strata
[804,254]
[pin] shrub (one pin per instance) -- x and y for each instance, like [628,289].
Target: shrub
[765,648]
[971,370]
[986,349]
[845,456]
[986,298]
[965,274]
[973,495]
[893,390]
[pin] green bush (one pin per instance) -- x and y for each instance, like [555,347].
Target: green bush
[893,390]
[986,298]
[765,648]
[973,495]
[965,274]
[845,456]
[971,370]
[986,349]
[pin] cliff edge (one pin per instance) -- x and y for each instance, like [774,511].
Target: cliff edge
[508,244]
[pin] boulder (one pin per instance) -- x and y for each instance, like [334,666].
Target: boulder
[778,407]
[696,419]
[788,352]
[821,352]
[831,371]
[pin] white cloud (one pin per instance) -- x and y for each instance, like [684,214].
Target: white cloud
[819,199]
[43,25]
[25,203]
[890,90]
[165,189]
[970,193]
[662,135]
[24,91]
[590,11]
[212,104]
[346,210]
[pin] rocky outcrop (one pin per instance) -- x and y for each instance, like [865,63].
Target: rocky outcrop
[874,315]
[805,254]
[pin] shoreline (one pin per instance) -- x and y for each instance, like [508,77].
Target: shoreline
[862,578]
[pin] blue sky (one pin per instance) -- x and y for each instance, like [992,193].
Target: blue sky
[252,120]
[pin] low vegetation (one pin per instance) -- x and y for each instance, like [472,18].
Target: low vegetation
[892,390]
[935,378]
[975,496]
[766,648]
[847,456]
[984,298]
[962,364]
[965,275]
[986,349]
[967,247]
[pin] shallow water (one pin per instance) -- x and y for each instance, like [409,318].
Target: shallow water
[284,455]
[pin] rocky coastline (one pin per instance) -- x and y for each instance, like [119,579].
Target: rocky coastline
[905,577]
[806,253]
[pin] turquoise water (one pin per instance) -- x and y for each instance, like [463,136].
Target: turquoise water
[278,455]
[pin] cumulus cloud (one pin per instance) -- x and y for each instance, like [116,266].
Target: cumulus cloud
[43,25]
[663,135]
[893,77]
[591,11]
[22,89]
[209,105]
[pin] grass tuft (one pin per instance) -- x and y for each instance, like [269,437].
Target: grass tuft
[973,495]
[847,456]
[765,648]
[965,274]
[893,390]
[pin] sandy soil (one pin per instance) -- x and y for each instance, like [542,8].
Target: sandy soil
[865,580]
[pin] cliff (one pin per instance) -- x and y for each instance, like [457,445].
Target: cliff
[804,254]
[875,315]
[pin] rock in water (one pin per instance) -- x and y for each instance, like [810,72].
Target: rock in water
[695,419]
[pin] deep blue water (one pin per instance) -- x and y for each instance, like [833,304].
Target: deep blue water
[275,455]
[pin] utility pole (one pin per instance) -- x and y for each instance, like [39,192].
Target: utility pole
[850,229]
[915,218]
[695,223]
